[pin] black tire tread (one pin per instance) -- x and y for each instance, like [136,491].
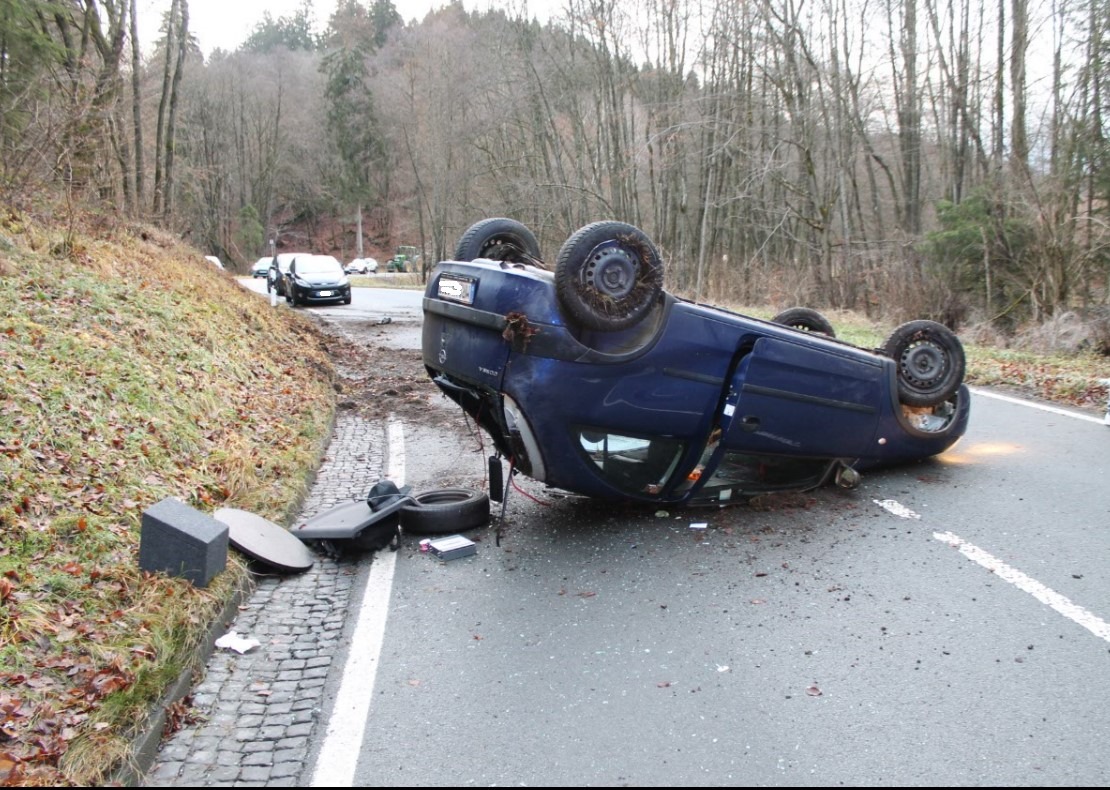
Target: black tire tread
[514,242]
[627,311]
[945,341]
[805,319]
[445,510]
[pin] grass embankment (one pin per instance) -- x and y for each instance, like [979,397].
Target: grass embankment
[130,370]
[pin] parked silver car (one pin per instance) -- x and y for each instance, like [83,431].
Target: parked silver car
[361,266]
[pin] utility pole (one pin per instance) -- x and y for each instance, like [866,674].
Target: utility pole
[358,232]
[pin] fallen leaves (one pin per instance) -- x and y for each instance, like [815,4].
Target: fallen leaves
[114,401]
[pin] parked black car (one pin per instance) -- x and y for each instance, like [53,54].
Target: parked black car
[312,279]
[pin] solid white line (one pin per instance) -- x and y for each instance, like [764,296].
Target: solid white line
[1035,405]
[338,757]
[1062,605]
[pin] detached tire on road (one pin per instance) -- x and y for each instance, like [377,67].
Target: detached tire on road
[445,510]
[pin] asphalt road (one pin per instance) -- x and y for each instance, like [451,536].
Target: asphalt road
[944,624]
[367,304]
[843,639]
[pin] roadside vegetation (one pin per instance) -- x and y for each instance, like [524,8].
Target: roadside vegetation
[131,370]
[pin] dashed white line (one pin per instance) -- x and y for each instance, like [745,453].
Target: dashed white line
[895,507]
[338,758]
[1061,604]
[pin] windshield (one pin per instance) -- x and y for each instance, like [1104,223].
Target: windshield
[318,265]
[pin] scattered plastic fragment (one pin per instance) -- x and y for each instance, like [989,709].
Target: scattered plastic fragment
[699,525]
[240,644]
[452,547]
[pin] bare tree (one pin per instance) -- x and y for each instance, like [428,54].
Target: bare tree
[136,107]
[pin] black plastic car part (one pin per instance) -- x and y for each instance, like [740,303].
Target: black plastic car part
[608,276]
[805,319]
[445,510]
[930,359]
[499,239]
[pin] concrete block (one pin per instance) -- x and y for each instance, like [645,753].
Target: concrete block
[182,541]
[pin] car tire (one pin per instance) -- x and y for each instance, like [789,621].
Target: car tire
[608,276]
[930,359]
[445,510]
[499,239]
[347,299]
[804,319]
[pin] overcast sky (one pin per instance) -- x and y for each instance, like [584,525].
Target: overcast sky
[226,24]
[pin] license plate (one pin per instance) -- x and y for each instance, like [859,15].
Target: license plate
[325,293]
[456,289]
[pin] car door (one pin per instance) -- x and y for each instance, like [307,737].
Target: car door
[806,397]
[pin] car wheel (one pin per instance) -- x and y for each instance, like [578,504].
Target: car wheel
[499,239]
[347,299]
[805,320]
[930,361]
[608,276]
[445,510]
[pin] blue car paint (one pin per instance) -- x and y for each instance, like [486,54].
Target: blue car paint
[686,372]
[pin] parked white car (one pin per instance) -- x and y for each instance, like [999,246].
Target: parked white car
[361,266]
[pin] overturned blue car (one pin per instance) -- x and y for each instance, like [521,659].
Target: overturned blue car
[593,379]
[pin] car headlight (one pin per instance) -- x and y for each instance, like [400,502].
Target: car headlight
[344,280]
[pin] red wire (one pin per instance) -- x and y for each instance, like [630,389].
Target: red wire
[512,481]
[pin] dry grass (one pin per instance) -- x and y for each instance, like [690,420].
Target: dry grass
[132,370]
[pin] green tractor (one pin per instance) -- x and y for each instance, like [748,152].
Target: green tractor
[403,260]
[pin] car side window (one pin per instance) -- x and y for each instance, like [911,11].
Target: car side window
[633,464]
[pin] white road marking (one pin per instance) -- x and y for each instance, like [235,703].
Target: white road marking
[1034,405]
[338,757]
[896,508]
[1062,605]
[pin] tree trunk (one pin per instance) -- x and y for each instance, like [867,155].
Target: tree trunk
[171,124]
[1019,143]
[163,102]
[136,107]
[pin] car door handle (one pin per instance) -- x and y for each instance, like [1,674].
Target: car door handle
[749,423]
